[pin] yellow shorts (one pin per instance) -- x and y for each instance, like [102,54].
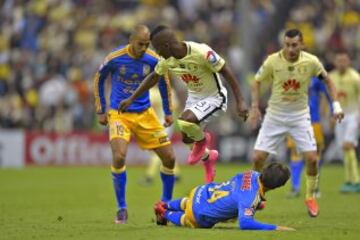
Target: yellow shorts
[190,219]
[147,130]
[319,137]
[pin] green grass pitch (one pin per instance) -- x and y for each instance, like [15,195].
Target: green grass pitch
[78,203]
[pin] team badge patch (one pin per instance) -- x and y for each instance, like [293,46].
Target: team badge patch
[146,69]
[248,212]
[211,57]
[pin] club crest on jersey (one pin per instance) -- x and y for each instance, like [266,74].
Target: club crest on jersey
[123,70]
[211,57]
[302,69]
[291,84]
[146,69]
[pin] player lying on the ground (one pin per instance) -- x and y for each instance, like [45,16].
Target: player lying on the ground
[212,203]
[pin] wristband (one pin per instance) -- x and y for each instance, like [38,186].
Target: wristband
[337,107]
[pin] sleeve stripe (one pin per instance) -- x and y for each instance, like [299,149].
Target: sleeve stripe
[152,53]
[116,54]
[96,93]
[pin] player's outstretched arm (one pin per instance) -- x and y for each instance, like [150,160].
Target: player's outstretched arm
[337,110]
[283,228]
[146,84]
[240,103]
[255,114]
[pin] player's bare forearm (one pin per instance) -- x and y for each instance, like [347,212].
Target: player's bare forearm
[337,110]
[146,84]
[231,79]
[255,114]
[330,88]
[255,89]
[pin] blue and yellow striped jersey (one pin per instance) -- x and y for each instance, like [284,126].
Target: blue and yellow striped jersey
[126,75]
[316,88]
[236,198]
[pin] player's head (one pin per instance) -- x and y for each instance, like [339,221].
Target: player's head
[274,175]
[163,40]
[139,40]
[293,43]
[342,60]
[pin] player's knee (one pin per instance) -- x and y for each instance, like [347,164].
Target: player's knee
[348,146]
[186,139]
[118,159]
[312,159]
[169,161]
[258,160]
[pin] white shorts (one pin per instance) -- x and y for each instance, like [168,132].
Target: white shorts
[275,128]
[207,107]
[348,129]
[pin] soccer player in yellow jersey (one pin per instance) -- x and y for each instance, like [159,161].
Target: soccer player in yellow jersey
[128,65]
[290,71]
[347,82]
[198,66]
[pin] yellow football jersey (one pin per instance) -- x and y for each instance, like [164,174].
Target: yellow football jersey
[290,81]
[198,69]
[348,88]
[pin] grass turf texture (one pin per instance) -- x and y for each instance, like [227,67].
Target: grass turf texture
[78,203]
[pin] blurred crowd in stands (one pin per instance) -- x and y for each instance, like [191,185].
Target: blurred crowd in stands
[51,49]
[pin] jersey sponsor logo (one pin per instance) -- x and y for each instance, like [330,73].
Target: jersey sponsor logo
[291,84]
[246,181]
[189,78]
[163,139]
[211,57]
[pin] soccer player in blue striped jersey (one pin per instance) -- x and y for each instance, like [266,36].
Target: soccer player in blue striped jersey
[128,65]
[212,203]
[316,89]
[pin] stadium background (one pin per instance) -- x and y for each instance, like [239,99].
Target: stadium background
[49,52]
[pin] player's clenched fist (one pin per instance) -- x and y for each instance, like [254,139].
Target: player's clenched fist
[124,104]
[102,119]
[255,116]
[242,110]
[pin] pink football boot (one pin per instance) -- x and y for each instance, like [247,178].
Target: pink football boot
[209,166]
[199,149]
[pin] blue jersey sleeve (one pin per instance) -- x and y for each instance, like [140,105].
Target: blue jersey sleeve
[247,221]
[99,87]
[165,92]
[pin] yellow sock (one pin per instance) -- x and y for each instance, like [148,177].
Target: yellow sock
[347,166]
[177,169]
[311,184]
[153,167]
[354,171]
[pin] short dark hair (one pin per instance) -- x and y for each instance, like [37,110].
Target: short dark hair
[293,32]
[274,175]
[157,29]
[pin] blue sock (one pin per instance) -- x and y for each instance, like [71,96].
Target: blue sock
[174,217]
[168,186]
[175,205]
[119,181]
[296,168]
